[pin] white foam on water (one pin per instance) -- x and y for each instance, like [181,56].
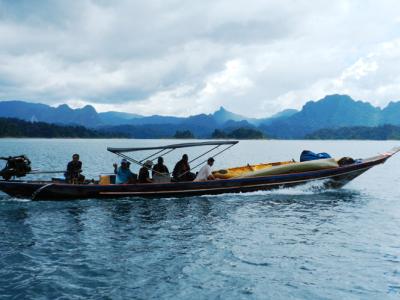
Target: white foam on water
[313,187]
[21,200]
[14,199]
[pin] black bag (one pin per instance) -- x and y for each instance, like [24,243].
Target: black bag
[344,161]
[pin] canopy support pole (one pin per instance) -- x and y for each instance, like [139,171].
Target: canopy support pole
[154,154]
[137,162]
[196,158]
[218,153]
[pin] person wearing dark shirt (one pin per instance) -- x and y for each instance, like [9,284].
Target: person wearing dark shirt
[182,170]
[144,174]
[74,169]
[160,168]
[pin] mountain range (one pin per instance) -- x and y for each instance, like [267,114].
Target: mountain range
[333,111]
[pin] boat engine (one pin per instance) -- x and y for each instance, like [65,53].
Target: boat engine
[16,166]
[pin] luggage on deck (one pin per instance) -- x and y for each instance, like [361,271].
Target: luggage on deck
[307,155]
[241,171]
[107,179]
[296,167]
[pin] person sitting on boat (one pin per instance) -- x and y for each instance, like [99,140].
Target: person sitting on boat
[182,170]
[160,173]
[144,174]
[205,172]
[124,174]
[160,168]
[74,170]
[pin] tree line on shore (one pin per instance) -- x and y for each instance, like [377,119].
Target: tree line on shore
[237,133]
[11,127]
[384,132]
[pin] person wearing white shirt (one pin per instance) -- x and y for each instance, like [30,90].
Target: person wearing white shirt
[205,171]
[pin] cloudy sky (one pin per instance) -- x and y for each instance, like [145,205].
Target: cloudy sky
[172,57]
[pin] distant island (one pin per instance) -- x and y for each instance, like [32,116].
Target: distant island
[385,132]
[238,134]
[241,133]
[11,127]
[183,134]
[332,117]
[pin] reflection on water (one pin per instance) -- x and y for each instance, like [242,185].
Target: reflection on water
[291,243]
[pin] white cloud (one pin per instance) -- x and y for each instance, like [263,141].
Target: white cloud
[177,57]
[232,80]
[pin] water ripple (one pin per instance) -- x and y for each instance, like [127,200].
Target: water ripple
[298,243]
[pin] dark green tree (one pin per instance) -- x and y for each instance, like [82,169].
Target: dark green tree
[246,133]
[219,134]
[238,133]
[385,132]
[183,134]
[10,127]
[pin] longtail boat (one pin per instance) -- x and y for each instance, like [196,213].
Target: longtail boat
[247,178]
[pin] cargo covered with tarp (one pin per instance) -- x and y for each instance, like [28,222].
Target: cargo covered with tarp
[278,168]
[240,171]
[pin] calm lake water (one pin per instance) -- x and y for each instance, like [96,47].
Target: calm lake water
[300,243]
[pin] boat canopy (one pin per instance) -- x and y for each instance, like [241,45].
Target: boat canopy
[172,146]
[163,150]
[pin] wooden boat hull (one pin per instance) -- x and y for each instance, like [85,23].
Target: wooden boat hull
[331,178]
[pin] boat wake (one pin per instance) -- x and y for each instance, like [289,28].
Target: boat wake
[310,188]
[4,198]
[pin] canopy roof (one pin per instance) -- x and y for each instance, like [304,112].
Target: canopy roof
[173,146]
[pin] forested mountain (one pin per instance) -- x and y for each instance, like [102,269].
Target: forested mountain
[330,112]
[63,114]
[10,127]
[385,132]
[333,111]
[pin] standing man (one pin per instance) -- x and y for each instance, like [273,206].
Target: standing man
[205,171]
[74,170]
